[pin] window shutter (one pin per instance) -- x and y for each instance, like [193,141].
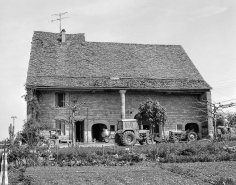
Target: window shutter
[64,99]
[56,100]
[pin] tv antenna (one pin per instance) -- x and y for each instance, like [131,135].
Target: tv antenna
[60,18]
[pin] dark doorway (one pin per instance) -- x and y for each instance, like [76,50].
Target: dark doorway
[97,131]
[192,126]
[156,129]
[79,126]
[146,127]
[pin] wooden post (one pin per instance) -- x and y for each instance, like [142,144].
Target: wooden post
[57,153]
[4,173]
[214,121]
[211,120]
[4,164]
[74,129]
[102,150]
[87,125]
[156,151]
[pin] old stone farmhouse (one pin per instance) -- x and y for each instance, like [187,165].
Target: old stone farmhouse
[65,68]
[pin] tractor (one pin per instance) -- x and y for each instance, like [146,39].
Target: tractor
[128,133]
[180,135]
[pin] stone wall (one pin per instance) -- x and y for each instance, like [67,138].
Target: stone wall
[105,107]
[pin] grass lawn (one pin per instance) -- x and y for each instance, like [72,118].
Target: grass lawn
[140,173]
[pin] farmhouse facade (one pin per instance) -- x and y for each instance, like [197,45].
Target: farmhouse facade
[112,79]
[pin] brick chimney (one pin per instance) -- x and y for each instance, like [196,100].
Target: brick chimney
[63,35]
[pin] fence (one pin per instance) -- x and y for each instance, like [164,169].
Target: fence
[4,166]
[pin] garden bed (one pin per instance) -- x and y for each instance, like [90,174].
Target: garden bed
[176,159]
[113,156]
[140,173]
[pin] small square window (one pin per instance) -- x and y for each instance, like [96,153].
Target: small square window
[112,128]
[179,127]
[60,99]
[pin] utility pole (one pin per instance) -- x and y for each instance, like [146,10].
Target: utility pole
[13,117]
[60,18]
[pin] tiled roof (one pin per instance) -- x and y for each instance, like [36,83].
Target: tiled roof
[78,63]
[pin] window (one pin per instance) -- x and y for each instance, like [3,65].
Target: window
[179,127]
[60,124]
[112,128]
[60,99]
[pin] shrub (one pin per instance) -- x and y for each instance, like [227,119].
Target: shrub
[163,152]
[225,181]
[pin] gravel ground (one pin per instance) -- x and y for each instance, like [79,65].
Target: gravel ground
[141,173]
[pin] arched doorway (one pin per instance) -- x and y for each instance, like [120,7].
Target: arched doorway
[192,126]
[97,131]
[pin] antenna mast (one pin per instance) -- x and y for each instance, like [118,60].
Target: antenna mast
[60,14]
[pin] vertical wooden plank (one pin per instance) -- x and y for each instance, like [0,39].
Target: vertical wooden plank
[102,150]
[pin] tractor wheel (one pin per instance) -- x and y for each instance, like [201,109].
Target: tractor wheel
[192,136]
[118,139]
[149,140]
[128,138]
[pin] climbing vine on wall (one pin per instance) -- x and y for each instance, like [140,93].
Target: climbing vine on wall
[33,107]
[33,124]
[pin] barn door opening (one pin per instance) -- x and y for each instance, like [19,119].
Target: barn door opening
[97,131]
[79,126]
[156,129]
[192,127]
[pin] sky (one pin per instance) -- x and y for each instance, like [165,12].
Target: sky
[205,28]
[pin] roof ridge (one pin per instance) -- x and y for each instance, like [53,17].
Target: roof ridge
[164,45]
[58,33]
[64,76]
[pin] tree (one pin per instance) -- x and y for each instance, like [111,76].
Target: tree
[213,111]
[220,119]
[153,113]
[33,125]
[231,117]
